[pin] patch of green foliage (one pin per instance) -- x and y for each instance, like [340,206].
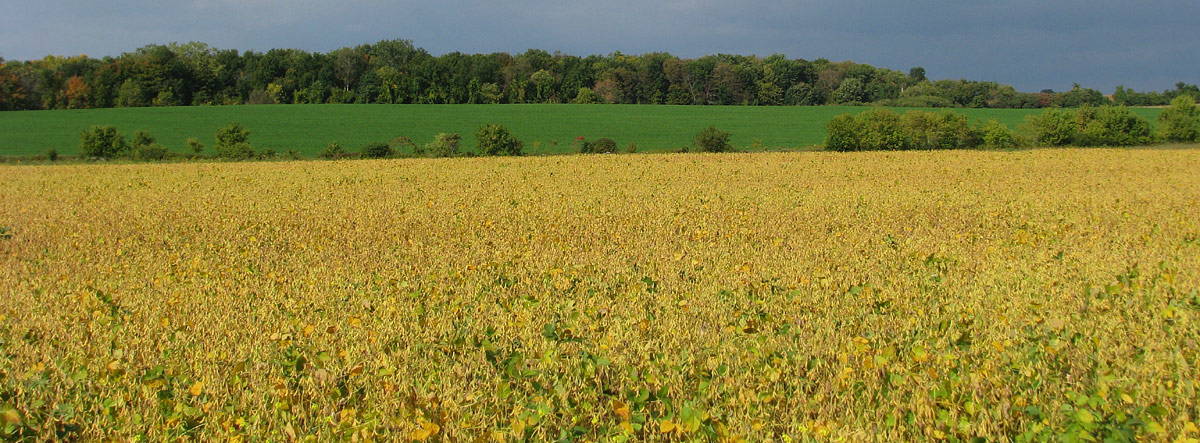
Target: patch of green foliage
[443,145]
[1181,121]
[604,145]
[1090,126]
[494,139]
[378,150]
[711,139]
[102,142]
[233,142]
[332,151]
[146,148]
[884,129]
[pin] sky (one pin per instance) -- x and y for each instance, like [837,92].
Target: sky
[1030,44]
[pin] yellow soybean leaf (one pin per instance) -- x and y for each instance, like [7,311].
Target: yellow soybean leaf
[196,389]
[11,416]
[621,409]
[666,426]
[427,429]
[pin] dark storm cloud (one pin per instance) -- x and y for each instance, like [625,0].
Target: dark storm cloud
[1030,44]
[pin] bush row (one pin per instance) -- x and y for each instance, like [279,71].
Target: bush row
[1115,126]
[233,142]
[884,129]
[105,142]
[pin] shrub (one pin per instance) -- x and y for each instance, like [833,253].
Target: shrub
[102,142]
[842,133]
[52,154]
[604,146]
[332,150]
[195,146]
[145,147]
[151,151]
[712,139]
[995,135]
[496,140]
[1090,126]
[231,135]
[874,129]
[631,148]
[883,129]
[140,138]
[444,145]
[937,130]
[233,142]
[960,131]
[1181,121]
[378,150]
[1053,127]
[239,151]
[1111,126]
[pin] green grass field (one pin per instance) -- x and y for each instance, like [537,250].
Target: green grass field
[543,128]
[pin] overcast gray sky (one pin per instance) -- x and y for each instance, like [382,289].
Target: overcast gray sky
[1031,44]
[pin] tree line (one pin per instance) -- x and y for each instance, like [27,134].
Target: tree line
[396,71]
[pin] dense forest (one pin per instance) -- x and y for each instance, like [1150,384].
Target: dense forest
[395,71]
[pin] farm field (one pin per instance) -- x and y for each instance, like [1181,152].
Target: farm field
[309,128]
[660,297]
